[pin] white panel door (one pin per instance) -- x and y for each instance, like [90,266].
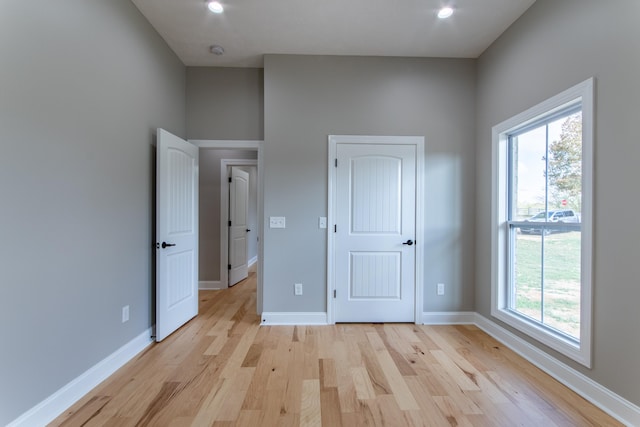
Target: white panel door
[238,225]
[375,233]
[176,233]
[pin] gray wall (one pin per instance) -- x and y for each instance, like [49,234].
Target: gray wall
[209,209]
[225,103]
[84,86]
[221,104]
[555,45]
[309,97]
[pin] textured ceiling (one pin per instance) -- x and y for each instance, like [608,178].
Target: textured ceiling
[248,29]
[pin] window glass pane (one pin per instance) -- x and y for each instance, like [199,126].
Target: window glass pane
[546,192]
[527,274]
[564,171]
[528,181]
[561,293]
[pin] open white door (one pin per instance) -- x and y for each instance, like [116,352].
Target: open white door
[176,233]
[238,225]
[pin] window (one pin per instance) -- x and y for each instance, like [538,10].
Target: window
[542,210]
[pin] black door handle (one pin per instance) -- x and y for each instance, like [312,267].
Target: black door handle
[408,242]
[166,245]
[248,230]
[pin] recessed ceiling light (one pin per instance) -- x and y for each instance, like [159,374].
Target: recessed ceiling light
[216,49]
[215,7]
[445,12]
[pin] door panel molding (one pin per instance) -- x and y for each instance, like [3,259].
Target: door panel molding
[418,142]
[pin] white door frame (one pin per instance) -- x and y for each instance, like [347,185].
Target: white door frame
[246,145]
[224,214]
[418,142]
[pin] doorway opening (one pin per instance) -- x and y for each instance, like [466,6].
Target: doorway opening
[216,160]
[238,219]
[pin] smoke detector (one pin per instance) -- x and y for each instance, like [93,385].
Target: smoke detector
[216,49]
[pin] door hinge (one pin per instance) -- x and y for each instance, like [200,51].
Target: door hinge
[229,223]
[228,266]
[336,163]
[334,293]
[229,179]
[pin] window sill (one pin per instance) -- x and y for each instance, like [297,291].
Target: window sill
[556,341]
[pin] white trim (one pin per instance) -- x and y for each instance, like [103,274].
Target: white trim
[253,260]
[448,318]
[210,285]
[259,269]
[227,144]
[301,318]
[224,213]
[584,93]
[419,143]
[331,194]
[247,145]
[54,405]
[611,403]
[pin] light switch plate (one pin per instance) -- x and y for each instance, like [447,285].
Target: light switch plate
[322,222]
[277,222]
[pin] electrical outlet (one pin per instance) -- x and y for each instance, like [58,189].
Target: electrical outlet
[125,314]
[440,289]
[297,289]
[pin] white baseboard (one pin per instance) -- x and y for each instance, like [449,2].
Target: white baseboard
[210,285]
[54,405]
[613,404]
[253,260]
[449,318]
[304,318]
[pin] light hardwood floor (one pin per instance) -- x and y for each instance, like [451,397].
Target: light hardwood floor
[223,369]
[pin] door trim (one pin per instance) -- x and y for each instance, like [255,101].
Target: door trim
[418,142]
[257,146]
[225,164]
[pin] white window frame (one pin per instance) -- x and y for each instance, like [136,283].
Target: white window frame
[500,266]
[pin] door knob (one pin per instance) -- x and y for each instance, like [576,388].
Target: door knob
[248,230]
[408,242]
[166,245]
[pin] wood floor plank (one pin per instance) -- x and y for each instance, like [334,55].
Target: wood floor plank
[372,365]
[240,352]
[362,383]
[87,411]
[222,369]
[238,386]
[212,404]
[310,408]
[428,408]
[330,408]
[399,388]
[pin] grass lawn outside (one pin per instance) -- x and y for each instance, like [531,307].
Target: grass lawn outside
[559,289]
